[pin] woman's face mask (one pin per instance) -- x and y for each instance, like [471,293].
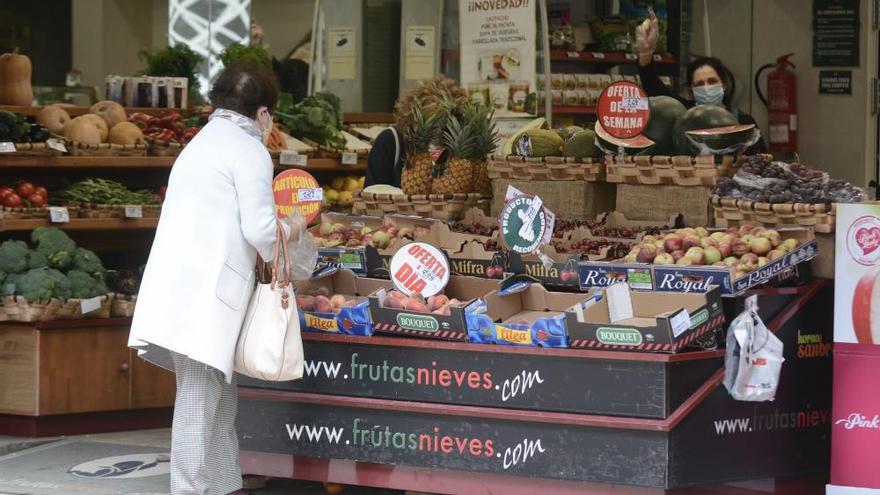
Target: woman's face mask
[712,94]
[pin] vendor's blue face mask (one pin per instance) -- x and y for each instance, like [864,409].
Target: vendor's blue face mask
[712,94]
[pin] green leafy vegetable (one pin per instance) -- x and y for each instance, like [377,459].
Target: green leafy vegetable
[173,61]
[106,192]
[251,53]
[317,117]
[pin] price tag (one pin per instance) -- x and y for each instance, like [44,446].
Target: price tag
[598,55]
[310,194]
[59,214]
[349,158]
[88,305]
[7,147]
[293,158]
[134,211]
[657,58]
[631,56]
[623,110]
[56,144]
[680,323]
[573,55]
[419,267]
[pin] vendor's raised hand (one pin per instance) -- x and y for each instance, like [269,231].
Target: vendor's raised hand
[647,34]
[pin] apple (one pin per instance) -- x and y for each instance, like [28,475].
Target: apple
[762,261]
[381,239]
[773,236]
[697,255]
[712,255]
[737,274]
[746,229]
[719,263]
[730,260]
[748,238]
[649,238]
[725,249]
[718,235]
[404,232]
[739,247]
[630,258]
[757,231]
[677,254]
[775,253]
[646,253]
[748,262]
[664,259]
[339,228]
[790,244]
[686,231]
[745,267]
[864,309]
[734,231]
[659,245]
[326,229]
[760,246]
[366,230]
[672,242]
[391,230]
[702,232]
[689,241]
[708,241]
[684,261]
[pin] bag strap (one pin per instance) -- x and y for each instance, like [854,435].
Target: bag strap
[280,276]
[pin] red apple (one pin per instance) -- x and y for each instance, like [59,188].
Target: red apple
[672,242]
[760,246]
[739,247]
[677,254]
[730,260]
[745,229]
[708,241]
[690,241]
[864,310]
[646,253]
[725,249]
[775,253]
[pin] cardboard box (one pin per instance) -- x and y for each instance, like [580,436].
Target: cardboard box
[531,317]
[469,290]
[638,321]
[353,320]
[675,278]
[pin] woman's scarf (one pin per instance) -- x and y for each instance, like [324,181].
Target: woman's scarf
[246,124]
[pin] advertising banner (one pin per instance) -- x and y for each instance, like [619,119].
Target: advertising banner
[857,268]
[498,52]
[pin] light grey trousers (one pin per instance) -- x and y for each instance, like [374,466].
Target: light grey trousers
[204,445]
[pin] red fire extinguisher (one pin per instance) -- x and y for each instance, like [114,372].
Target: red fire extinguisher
[781,103]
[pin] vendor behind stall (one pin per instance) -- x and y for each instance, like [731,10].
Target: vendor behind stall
[389,151]
[709,82]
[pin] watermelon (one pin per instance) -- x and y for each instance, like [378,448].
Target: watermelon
[699,117]
[737,137]
[637,145]
[665,112]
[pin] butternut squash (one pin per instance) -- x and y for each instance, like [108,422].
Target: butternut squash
[15,80]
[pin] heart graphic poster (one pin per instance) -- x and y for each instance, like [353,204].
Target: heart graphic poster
[857,274]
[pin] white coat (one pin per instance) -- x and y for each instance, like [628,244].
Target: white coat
[219,212]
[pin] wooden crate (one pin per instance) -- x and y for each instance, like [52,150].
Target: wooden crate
[546,168]
[439,206]
[566,199]
[659,203]
[670,170]
[730,212]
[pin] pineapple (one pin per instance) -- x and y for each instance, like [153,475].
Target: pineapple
[416,175]
[457,174]
[486,136]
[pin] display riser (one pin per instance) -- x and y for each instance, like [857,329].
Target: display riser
[710,438]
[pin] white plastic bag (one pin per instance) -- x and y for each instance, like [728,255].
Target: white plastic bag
[754,357]
[303,253]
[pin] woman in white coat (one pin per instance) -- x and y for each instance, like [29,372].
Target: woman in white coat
[218,214]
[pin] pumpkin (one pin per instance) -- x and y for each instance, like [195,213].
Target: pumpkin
[110,111]
[126,133]
[15,80]
[83,130]
[98,122]
[53,117]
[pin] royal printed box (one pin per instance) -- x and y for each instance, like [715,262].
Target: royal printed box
[529,317]
[645,321]
[401,322]
[352,318]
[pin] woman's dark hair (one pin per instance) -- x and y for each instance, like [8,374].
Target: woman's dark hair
[244,87]
[727,79]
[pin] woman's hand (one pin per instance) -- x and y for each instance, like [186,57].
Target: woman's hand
[647,34]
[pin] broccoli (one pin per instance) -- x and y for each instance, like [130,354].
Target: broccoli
[10,284]
[61,290]
[87,261]
[36,285]
[36,259]
[55,245]
[84,286]
[2,277]
[13,256]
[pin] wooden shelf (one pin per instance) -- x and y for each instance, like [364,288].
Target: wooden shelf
[146,162]
[611,58]
[121,224]
[574,109]
[75,111]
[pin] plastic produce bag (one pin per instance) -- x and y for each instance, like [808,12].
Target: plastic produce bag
[754,357]
[303,253]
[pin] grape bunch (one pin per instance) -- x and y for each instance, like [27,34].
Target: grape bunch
[765,181]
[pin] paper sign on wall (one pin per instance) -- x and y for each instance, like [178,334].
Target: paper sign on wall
[419,63]
[419,267]
[341,53]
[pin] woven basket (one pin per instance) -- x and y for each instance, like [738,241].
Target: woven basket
[17,308]
[322,151]
[545,168]
[439,206]
[730,212]
[34,149]
[23,213]
[72,309]
[123,306]
[89,210]
[75,148]
[163,148]
[670,170]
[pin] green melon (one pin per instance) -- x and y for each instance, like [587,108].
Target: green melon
[637,145]
[699,117]
[539,143]
[665,112]
[581,145]
[735,138]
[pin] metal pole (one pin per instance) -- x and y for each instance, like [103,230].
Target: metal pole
[313,56]
[545,49]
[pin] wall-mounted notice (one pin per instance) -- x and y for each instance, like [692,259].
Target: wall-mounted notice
[835,82]
[419,62]
[341,53]
[835,33]
[498,52]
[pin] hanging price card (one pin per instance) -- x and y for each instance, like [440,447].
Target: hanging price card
[293,158]
[59,214]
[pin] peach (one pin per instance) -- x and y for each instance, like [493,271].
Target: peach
[337,301]
[437,302]
[323,305]
[305,303]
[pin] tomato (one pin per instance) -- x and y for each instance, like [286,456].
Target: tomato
[37,200]
[25,189]
[162,191]
[42,192]
[5,191]
[12,200]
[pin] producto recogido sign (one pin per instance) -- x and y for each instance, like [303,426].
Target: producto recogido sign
[296,190]
[623,110]
[419,267]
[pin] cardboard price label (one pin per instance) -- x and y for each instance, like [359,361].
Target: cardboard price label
[297,191]
[7,147]
[293,158]
[59,214]
[56,144]
[134,211]
[88,305]
[349,159]
[419,267]
[623,110]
